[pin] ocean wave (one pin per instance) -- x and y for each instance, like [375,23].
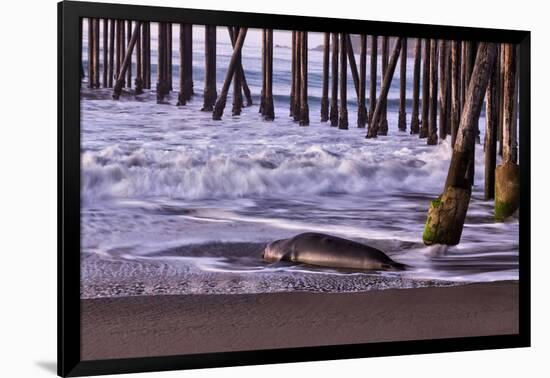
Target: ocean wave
[200,173]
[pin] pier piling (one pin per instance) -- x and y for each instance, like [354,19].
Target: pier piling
[443,94]
[105,52]
[361,107]
[324,96]
[334,78]
[425,90]
[210,94]
[129,70]
[455,90]
[402,120]
[304,107]
[491,119]
[139,63]
[507,173]
[269,112]
[384,90]
[222,99]
[373,78]
[245,88]
[447,213]
[415,121]
[432,127]
[352,64]
[383,127]
[343,115]
[126,62]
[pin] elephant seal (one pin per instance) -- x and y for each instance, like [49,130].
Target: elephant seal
[325,250]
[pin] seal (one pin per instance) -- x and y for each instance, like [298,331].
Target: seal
[331,251]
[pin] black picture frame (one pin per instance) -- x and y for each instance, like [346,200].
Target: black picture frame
[69,362]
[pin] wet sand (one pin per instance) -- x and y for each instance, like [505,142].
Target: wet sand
[160,325]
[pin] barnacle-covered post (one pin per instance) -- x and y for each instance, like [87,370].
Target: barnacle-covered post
[507,173]
[447,213]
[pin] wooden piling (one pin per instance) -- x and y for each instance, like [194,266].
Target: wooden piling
[222,99]
[126,62]
[96,52]
[501,96]
[324,96]
[210,94]
[189,92]
[293,76]
[186,64]
[383,127]
[343,116]
[118,43]
[90,52]
[415,122]
[425,90]
[455,90]
[361,108]
[491,119]
[245,88]
[122,43]
[443,48]
[384,90]
[139,62]
[147,56]
[463,83]
[352,64]
[111,72]
[373,78]
[129,71]
[448,72]
[264,72]
[269,111]
[304,108]
[475,46]
[447,213]
[402,120]
[105,52]
[182,98]
[507,174]
[80,41]
[509,147]
[169,56]
[237,84]
[298,73]
[432,127]
[334,77]
[162,85]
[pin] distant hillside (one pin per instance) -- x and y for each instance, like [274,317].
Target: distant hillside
[355,40]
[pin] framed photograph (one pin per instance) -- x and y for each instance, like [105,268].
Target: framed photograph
[239,188]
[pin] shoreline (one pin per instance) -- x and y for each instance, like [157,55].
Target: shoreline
[160,325]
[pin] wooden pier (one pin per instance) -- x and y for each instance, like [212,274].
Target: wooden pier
[451,81]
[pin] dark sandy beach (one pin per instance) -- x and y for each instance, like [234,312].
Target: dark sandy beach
[159,325]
